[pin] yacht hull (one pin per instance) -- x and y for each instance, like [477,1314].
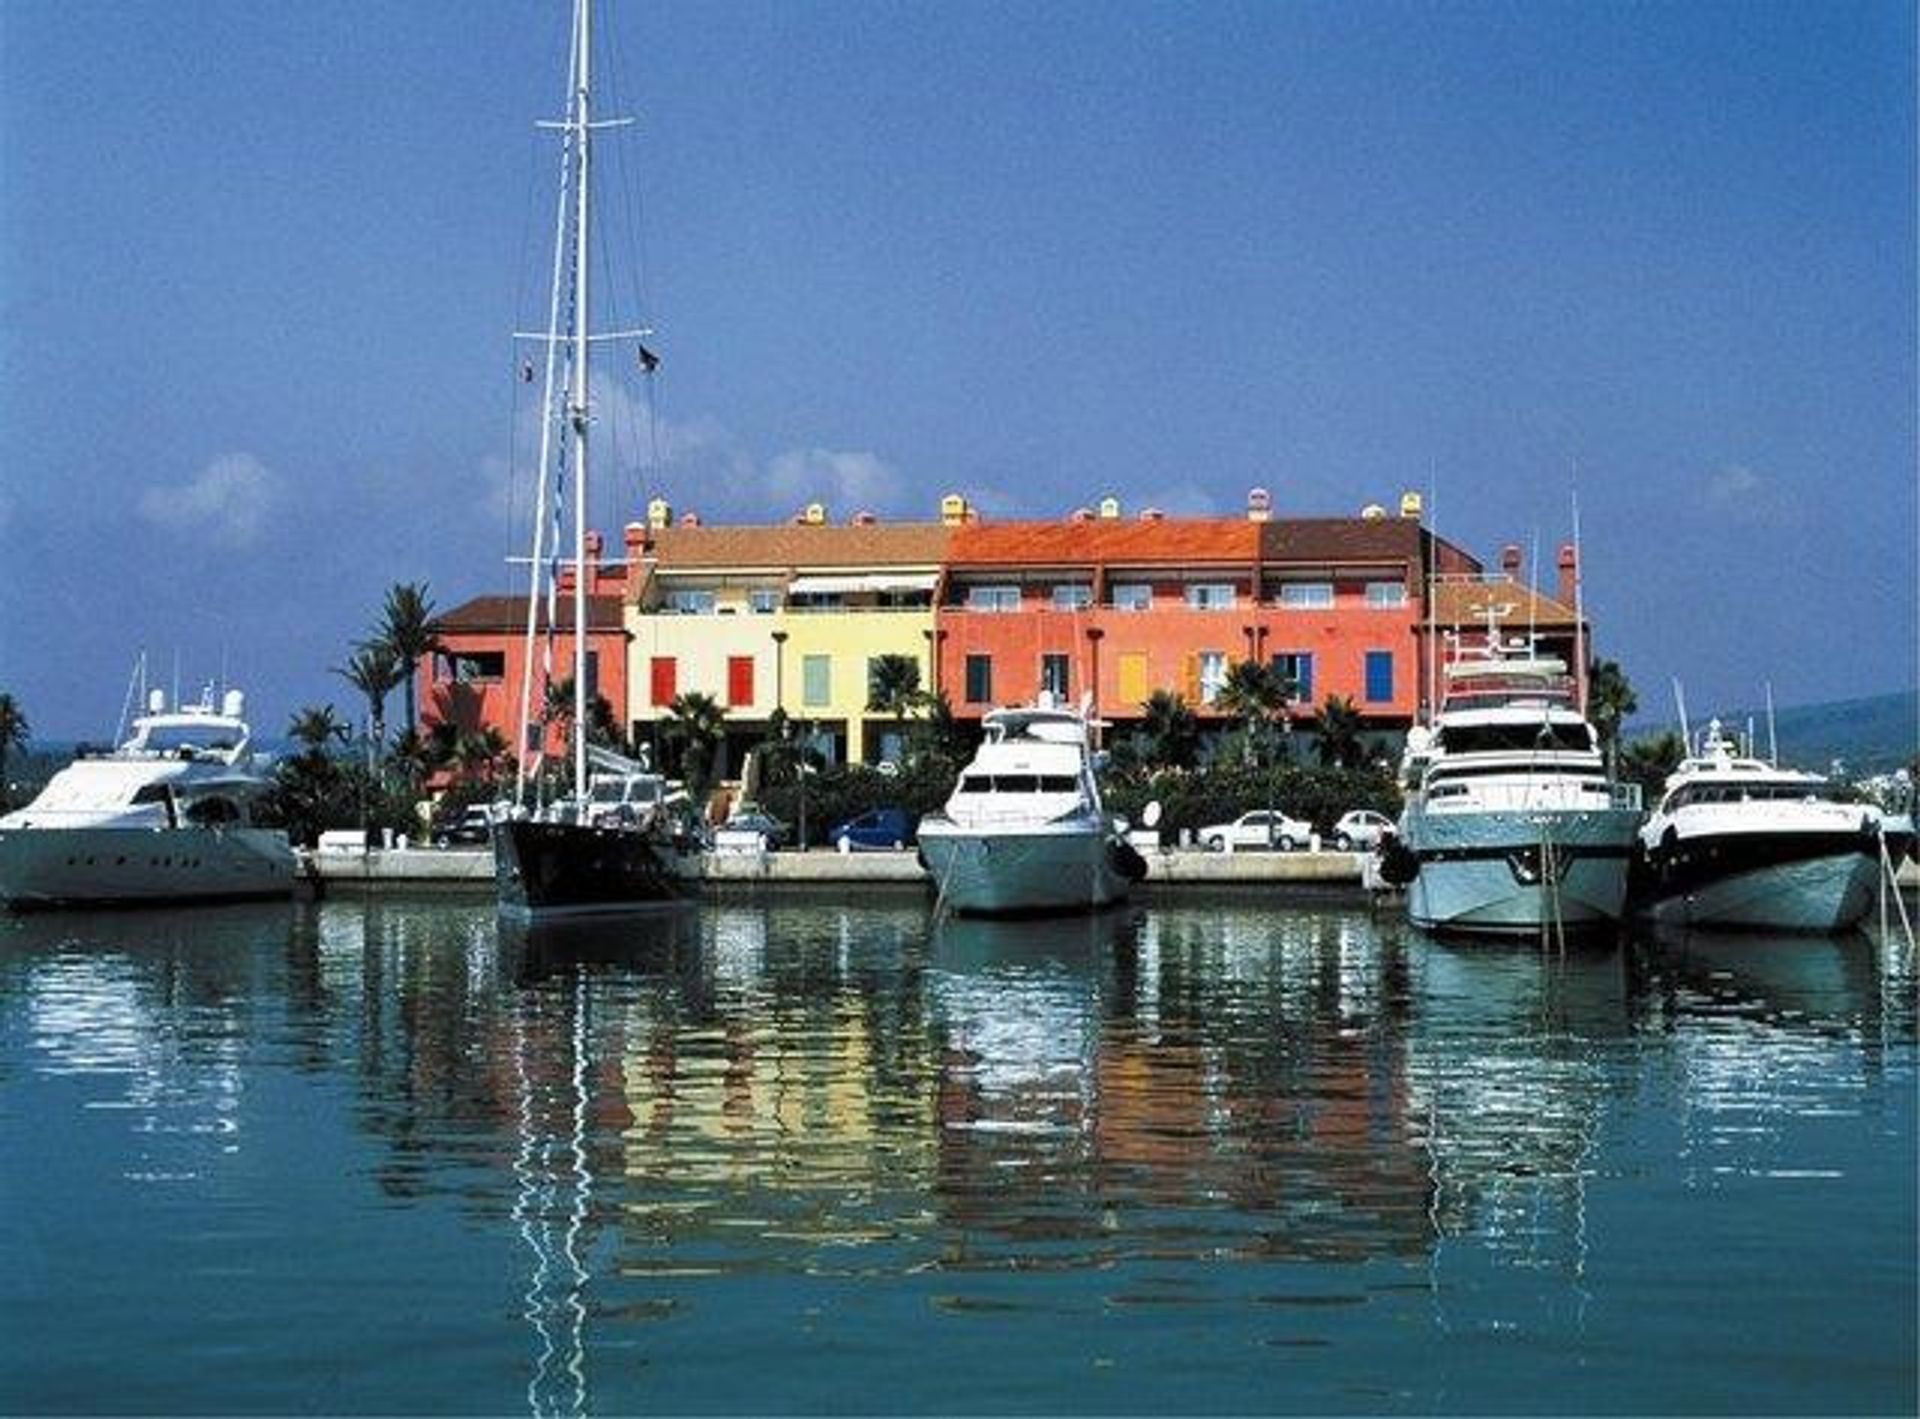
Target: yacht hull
[1763,881]
[57,867]
[1005,872]
[568,869]
[1517,872]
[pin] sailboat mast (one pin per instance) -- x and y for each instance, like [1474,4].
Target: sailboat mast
[582,135]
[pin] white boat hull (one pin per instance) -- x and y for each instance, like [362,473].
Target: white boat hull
[1823,894]
[49,867]
[1034,870]
[1489,871]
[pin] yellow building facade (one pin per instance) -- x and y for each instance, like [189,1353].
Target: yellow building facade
[788,616]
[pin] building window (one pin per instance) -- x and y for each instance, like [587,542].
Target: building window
[1379,676]
[1072,596]
[1386,595]
[593,675]
[993,598]
[1211,596]
[663,679]
[1132,596]
[1132,677]
[469,665]
[690,603]
[739,681]
[816,681]
[1213,675]
[763,601]
[1056,676]
[979,679]
[1297,666]
[1302,595]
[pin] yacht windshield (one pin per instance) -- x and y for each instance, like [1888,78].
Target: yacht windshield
[1515,738]
[171,738]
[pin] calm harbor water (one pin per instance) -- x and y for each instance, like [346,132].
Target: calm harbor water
[389,1156]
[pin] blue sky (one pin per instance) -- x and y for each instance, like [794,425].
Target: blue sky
[259,265]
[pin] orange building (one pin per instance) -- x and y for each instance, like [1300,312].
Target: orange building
[1120,608]
[474,680]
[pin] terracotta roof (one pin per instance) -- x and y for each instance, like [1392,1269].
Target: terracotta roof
[1136,543]
[1465,603]
[789,545]
[509,613]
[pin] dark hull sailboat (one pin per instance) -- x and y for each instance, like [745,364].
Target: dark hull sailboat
[552,869]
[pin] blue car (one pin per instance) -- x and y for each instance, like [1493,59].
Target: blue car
[879,828]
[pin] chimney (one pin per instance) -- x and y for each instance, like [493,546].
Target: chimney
[1109,509]
[815,514]
[1569,563]
[1150,514]
[863,518]
[594,542]
[953,510]
[1259,505]
[1411,505]
[659,513]
[1372,512]
[689,519]
[1510,560]
[1080,514]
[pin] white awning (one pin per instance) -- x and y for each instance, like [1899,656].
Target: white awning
[877,581]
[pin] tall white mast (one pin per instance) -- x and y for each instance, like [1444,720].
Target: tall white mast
[582,142]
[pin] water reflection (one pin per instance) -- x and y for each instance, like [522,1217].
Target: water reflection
[1194,1105]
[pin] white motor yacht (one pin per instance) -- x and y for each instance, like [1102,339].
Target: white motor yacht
[1024,830]
[162,818]
[1511,825]
[1736,841]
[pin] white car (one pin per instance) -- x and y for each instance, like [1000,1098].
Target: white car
[1257,829]
[1361,830]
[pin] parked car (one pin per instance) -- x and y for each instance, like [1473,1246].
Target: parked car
[1257,829]
[1361,830]
[474,824]
[877,828]
[754,821]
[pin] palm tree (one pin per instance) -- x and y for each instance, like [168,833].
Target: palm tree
[1648,760]
[317,726]
[416,757]
[1255,695]
[408,626]
[893,688]
[694,725]
[1172,732]
[14,733]
[1340,733]
[1610,699]
[478,752]
[374,670]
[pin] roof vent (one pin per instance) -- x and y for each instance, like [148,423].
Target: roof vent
[1510,560]
[1411,505]
[1373,512]
[1109,509]
[953,510]
[659,513]
[863,518]
[1259,504]
[815,514]
[1080,514]
[1151,514]
[689,519]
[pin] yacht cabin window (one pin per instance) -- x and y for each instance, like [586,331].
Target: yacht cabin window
[1515,738]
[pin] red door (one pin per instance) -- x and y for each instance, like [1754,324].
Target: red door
[663,679]
[739,681]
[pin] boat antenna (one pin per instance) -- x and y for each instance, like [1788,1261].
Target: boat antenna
[1680,704]
[1580,667]
[1432,548]
[176,678]
[1773,739]
[136,683]
[1533,591]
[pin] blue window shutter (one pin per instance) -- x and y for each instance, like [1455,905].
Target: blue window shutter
[1379,676]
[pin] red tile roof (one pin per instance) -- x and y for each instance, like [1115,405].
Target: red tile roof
[486,614]
[798,546]
[1182,541]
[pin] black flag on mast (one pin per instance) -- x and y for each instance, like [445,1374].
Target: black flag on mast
[649,362]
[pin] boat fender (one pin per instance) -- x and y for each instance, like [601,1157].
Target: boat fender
[1126,860]
[1398,864]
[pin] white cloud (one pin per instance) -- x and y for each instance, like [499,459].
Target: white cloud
[845,481]
[227,502]
[1735,492]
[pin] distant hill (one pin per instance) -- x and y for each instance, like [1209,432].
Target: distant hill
[1869,735]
